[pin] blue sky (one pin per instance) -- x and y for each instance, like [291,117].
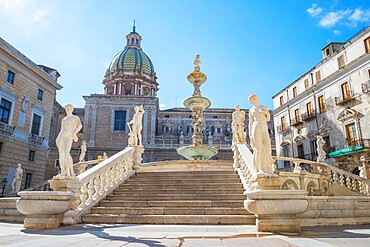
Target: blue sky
[245,46]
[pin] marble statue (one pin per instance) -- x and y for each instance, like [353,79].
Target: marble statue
[197,117]
[83,152]
[196,63]
[321,154]
[260,140]
[105,156]
[17,179]
[362,171]
[237,125]
[135,127]
[70,126]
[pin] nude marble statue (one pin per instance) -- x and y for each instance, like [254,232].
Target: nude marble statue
[321,154]
[17,179]
[237,125]
[197,63]
[260,140]
[70,126]
[135,127]
[83,152]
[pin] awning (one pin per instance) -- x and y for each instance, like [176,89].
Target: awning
[346,151]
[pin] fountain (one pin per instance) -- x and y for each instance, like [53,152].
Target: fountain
[197,104]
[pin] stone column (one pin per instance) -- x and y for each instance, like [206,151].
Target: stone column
[91,142]
[152,127]
[145,128]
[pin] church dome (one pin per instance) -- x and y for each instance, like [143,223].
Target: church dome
[131,58]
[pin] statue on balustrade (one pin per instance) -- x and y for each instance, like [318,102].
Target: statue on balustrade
[237,125]
[135,126]
[17,179]
[70,126]
[321,154]
[83,152]
[259,115]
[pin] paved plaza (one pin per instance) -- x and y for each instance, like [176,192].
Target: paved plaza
[180,236]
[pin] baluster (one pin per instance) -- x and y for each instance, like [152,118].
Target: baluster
[354,184]
[112,175]
[348,182]
[122,169]
[297,166]
[336,177]
[83,196]
[90,190]
[341,180]
[117,171]
[97,184]
[107,179]
[102,183]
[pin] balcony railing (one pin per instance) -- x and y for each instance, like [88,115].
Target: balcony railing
[347,97]
[296,121]
[6,128]
[307,116]
[282,128]
[35,138]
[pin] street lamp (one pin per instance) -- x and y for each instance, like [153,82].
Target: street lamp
[3,183]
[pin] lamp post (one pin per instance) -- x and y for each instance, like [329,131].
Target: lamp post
[3,183]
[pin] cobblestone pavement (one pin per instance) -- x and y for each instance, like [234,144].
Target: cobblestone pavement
[180,236]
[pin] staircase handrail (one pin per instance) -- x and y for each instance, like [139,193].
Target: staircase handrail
[102,179]
[243,160]
[349,180]
[81,167]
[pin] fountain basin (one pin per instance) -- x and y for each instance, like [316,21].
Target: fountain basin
[197,152]
[197,102]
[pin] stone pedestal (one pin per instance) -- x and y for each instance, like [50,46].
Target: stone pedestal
[68,184]
[137,157]
[277,210]
[43,209]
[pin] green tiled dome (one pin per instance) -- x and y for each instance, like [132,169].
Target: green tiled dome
[131,58]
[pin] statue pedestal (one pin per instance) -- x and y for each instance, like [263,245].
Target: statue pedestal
[277,210]
[68,184]
[43,209]
[137,157]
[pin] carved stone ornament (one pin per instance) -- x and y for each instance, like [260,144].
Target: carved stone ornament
[312,134]
[348,113]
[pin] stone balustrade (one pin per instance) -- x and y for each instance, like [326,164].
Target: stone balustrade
[335,175]
[103,178]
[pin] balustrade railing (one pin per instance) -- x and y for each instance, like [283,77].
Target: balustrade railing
[99,181]
[350,181]
[243,160]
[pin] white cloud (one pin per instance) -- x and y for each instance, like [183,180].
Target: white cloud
[315,10]
[336,32]
[162,106]
[332,18]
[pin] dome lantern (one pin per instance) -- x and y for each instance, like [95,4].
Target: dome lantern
[133,38]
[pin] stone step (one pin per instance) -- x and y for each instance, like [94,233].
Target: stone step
[180,186]
[169,219]
[174,203]
[169,211]
[182,181]
[187,173]
[186,176]
[164,197]
[136,191]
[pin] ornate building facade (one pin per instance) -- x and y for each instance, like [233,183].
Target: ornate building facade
[27,93]
[330,100]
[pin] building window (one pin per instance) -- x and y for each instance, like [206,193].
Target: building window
[31,155]
[295,92]
[27,183]
[10,77]
[341,63]
[218,130]
[167,116]
[368,72]
[318,76]
[119,120]
[5,107]
[321,104]
[345,91]
[36,124]
[327,143]
[367,44]
[1,147]
[313,147]
[281,100]
[297,114]
[351,134]
[300,150]
[40,94]
[309,108]
[306,84]
[127,92]
[283,125]
[214,116]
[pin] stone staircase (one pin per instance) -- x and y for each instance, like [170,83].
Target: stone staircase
[168,197]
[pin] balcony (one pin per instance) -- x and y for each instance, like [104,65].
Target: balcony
[309,115]
[296,121]
[35,138]
[347,97]
[6,128]
[284,128]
